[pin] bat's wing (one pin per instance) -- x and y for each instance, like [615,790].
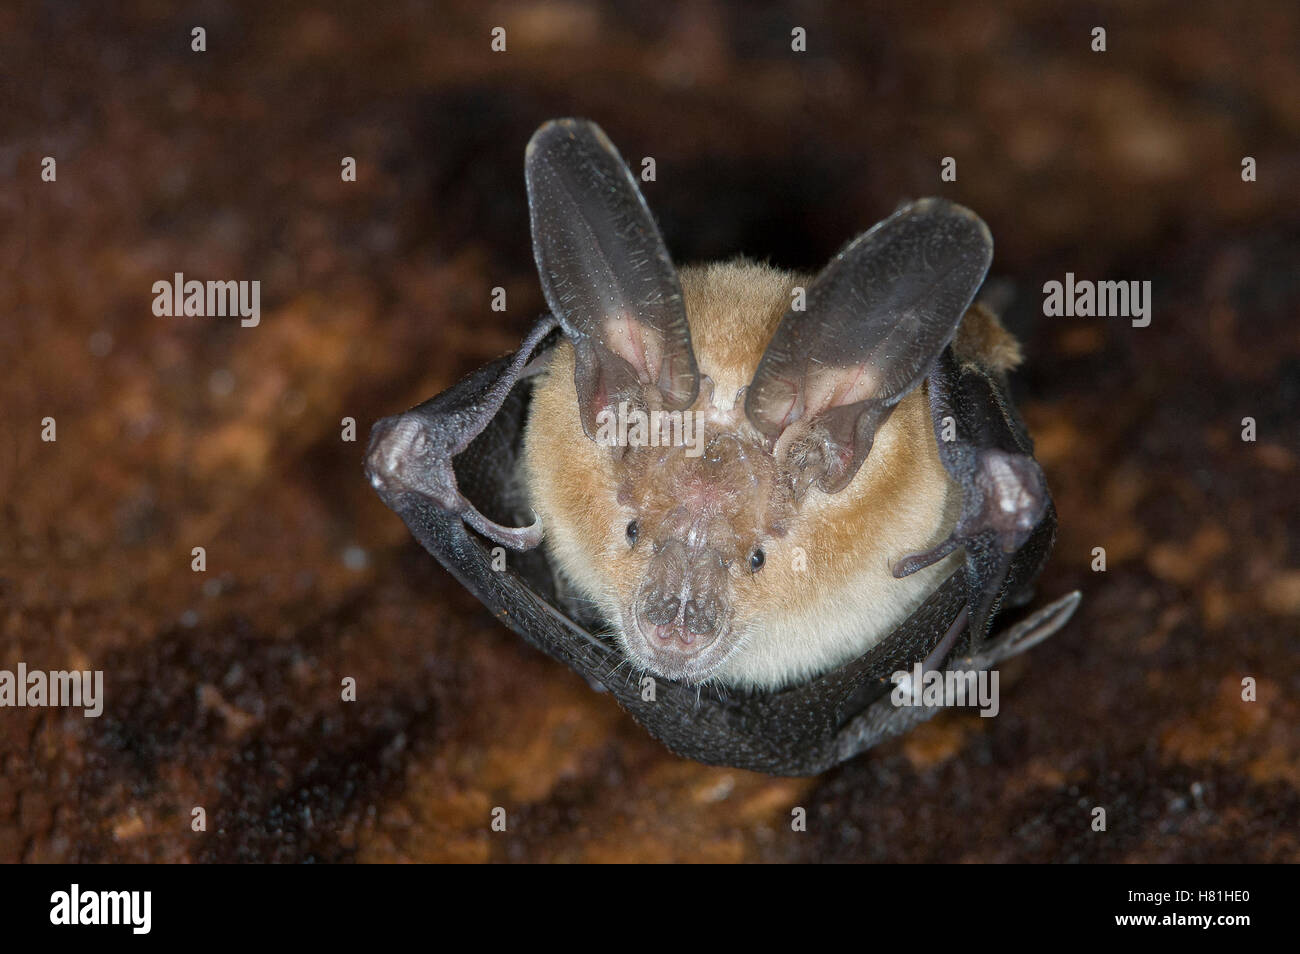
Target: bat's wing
[883,720]
[409,460]
[985,449]
[448,467]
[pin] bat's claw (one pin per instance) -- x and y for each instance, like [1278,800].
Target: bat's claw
[517,538]
[406,457]
[919,561]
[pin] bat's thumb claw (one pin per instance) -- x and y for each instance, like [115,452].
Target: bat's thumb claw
[517,538]
[919,561]
[407,457]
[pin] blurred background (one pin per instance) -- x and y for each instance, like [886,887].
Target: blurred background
[222,687]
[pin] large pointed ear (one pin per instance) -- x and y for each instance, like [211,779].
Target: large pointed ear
[606,274]
[877,318]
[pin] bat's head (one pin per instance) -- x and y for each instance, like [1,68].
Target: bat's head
[703,477]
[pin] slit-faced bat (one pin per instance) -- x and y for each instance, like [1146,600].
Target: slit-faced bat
[760,553]
[749,478]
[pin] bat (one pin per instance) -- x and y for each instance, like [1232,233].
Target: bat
[755,492]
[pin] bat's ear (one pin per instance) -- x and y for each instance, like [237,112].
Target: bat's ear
[606,274]
[877,318]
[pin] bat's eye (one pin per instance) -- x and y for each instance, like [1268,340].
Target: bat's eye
[632,531]
[756,560]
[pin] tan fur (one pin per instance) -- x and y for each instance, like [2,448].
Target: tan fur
[826,593]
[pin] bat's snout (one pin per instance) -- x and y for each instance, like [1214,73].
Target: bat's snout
[681,617]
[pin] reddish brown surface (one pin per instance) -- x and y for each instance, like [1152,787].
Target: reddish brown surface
[223,688]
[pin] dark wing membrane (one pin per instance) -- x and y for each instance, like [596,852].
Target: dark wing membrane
[605,271]
[1004,491]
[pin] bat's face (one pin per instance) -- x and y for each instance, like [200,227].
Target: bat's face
[703,516]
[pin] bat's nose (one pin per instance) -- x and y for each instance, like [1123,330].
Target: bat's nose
[681,607]
[702,616]
[659,608]
[683,625]
[678,637]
